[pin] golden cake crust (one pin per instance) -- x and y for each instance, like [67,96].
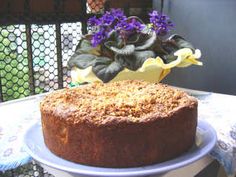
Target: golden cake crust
[129,101]
[121,124]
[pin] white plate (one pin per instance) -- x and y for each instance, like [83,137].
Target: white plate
[34,145]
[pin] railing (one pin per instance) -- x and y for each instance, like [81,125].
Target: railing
[38,37]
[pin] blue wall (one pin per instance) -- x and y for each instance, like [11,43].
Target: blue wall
[211,26]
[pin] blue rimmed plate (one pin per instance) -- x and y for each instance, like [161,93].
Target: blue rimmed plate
[34,145]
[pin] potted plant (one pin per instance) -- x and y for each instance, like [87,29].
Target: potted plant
[121,47]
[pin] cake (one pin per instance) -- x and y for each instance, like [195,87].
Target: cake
[120,124]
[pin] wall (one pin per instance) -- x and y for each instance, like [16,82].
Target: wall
[211,26]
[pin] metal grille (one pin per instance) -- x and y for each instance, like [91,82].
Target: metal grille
[70,39]
[13,62]
[33,66]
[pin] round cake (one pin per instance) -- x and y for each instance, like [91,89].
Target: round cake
[121,124]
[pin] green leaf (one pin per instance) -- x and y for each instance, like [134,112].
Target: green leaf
[114,43]
[113,36]
[171,45]
[158,47]
[106,69]
[85,54]
[136,39]
[82,61]
[126,50]
[136,60]
[133,39]
[180,42]
[110,44]
[148,43]
[169,58]
[85,47]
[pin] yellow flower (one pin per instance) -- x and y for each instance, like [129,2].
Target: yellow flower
[152,70]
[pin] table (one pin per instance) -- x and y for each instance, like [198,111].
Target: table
[217,109]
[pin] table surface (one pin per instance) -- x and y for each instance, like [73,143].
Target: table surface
[17,116]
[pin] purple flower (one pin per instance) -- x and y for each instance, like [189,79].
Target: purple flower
[118,14]
[136,25]
[124,26]
[128,27]
[93,21]
[161,23]
[107,19]
[98,37]
[115,20]
[115,15]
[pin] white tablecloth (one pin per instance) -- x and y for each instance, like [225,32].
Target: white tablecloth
[16,116]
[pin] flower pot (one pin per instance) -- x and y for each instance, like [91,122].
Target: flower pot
[152,70]
[151,73]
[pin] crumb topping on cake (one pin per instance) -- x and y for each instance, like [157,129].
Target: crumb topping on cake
[131,100]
